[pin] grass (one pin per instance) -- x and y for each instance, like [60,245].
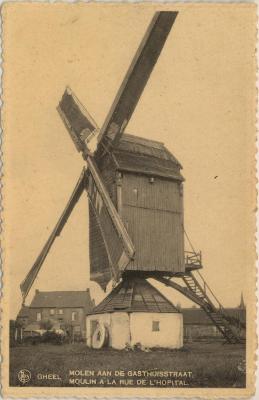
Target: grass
[211,364]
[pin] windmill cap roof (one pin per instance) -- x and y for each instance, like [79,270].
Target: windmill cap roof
[136,154]
[137,144]
[135,295]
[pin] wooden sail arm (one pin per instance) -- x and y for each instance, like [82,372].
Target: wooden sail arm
[113,213]
[137,76]
[32,274]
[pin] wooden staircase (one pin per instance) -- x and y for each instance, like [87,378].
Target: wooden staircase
[199,293]
[215,314]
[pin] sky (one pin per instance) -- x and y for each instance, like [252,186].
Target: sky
[199,101]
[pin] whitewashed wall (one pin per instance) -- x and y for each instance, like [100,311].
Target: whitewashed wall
[120,330]
[135,328]
[170,334]
[117,325]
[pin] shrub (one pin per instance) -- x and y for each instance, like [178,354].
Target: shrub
[52,337]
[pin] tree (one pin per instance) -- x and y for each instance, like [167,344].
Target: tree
[47,325]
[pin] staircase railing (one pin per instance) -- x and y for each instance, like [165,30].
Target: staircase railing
[193,259]
[207,289]
[218,305]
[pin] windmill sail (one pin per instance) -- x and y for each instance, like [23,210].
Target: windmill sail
[137,75]
[32,274]
[118,244]
[78,121]
[100,269]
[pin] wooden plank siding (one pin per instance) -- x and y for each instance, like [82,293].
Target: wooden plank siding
[162,194]
[152,213]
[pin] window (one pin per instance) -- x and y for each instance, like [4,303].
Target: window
[155,326]
[60,311]
[74,315]
[135,195]
[52,311]
[38,316]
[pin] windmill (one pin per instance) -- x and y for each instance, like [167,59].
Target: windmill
[135,193]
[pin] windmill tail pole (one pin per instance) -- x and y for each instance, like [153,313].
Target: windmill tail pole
[195,292]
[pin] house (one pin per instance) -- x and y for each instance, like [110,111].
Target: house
[198,325]
[61,309]
[135,313]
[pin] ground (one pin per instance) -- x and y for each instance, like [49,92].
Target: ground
[198,364]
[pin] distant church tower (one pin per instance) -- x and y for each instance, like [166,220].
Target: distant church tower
[242,303]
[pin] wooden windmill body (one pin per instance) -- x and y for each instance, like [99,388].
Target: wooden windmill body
[135,192]
[145,185]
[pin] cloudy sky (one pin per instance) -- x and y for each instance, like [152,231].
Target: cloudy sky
[199,101]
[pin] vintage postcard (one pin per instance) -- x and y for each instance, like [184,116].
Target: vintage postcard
[129,200]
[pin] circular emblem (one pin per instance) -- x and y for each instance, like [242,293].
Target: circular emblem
[24,375]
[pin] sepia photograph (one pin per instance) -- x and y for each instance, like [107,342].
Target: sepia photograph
[129,199]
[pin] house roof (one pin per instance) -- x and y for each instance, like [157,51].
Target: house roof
[62,299]
[136,154]
[135,295]
[196,316]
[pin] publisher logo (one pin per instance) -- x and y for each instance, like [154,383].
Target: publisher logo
[24,375]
